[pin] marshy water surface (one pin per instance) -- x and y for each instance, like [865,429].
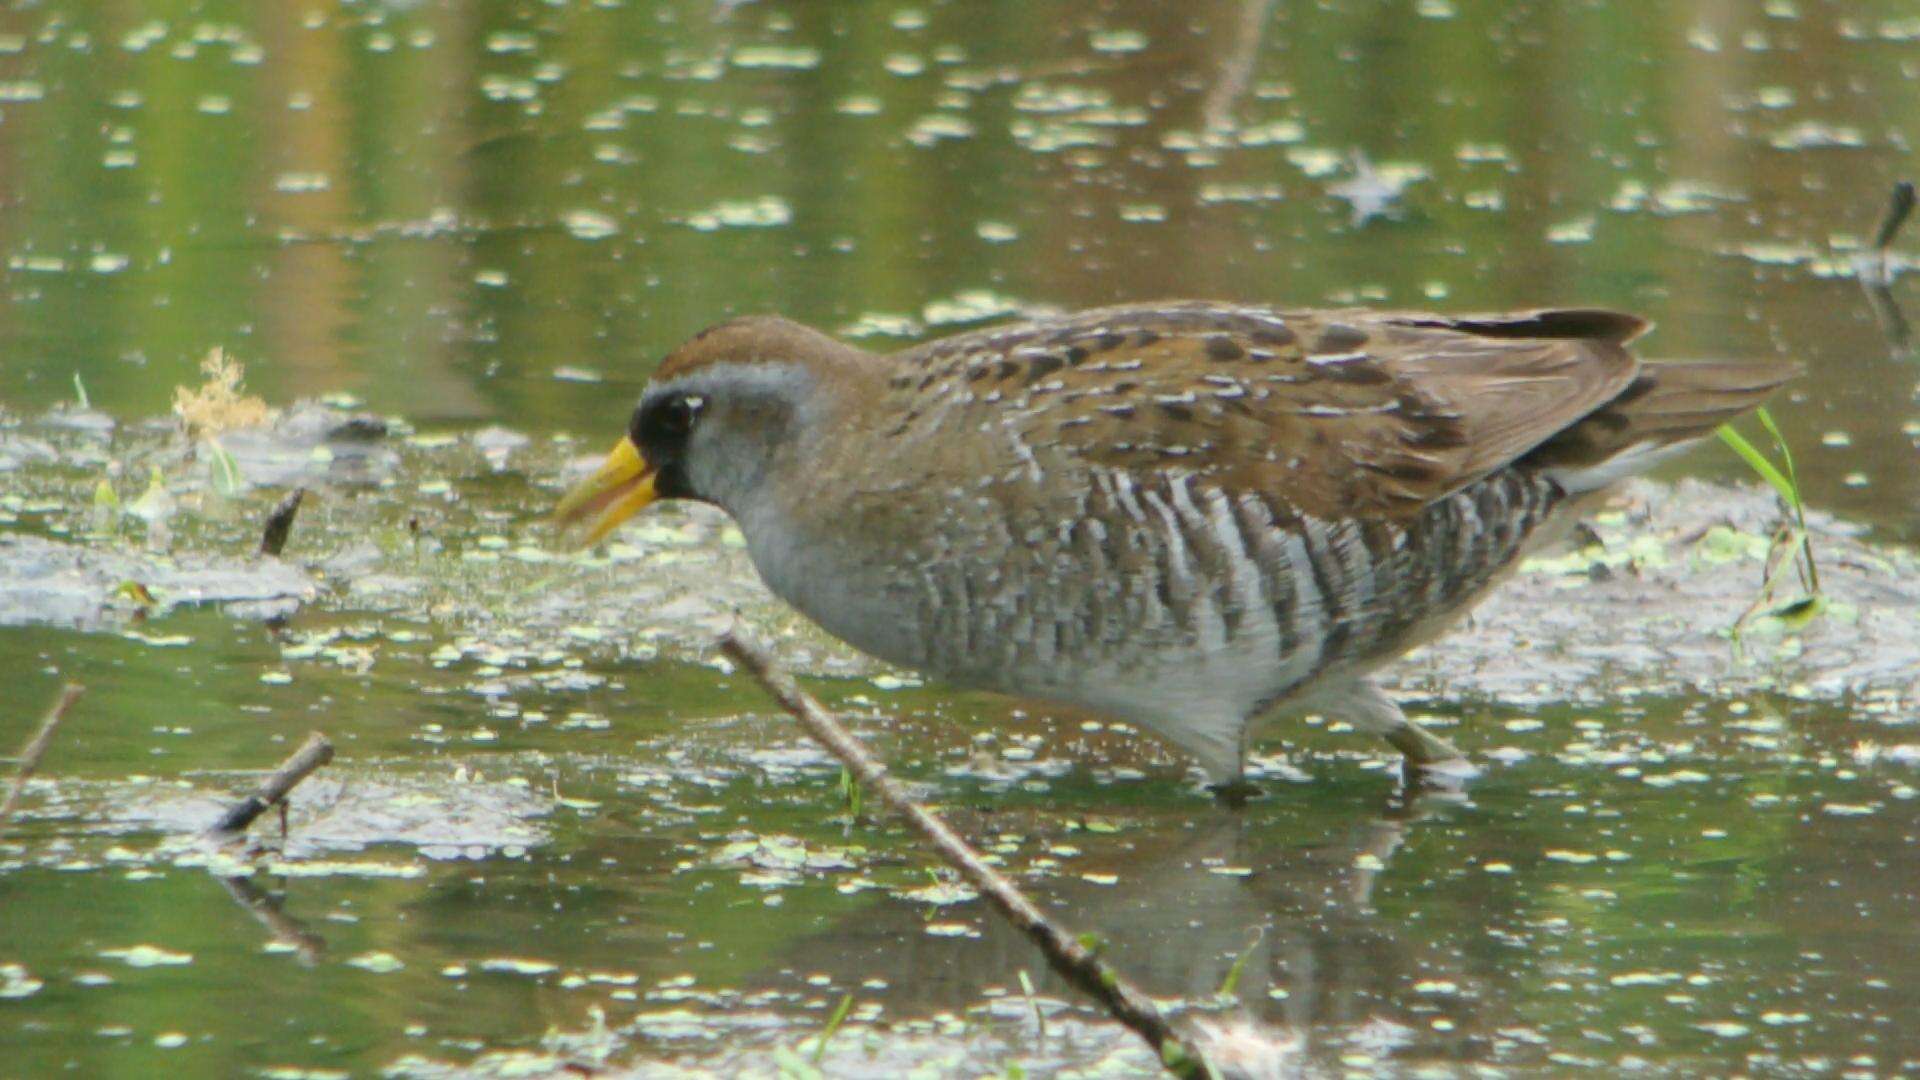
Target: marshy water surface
[561,834]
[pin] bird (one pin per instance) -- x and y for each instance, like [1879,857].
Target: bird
[1196,517]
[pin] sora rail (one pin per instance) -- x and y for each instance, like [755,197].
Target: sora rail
[1192,516]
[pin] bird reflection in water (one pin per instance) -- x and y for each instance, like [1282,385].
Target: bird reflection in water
[1321,971]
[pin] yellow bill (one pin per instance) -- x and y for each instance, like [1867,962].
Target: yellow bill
[621,488]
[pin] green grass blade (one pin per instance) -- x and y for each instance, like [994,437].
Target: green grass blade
[1812,569]
[1759,463]
[1026,987]
[792,1067]
[1786,453]
[833,1025]
[226,470]
[105,498]
[850,795]
[1231,984]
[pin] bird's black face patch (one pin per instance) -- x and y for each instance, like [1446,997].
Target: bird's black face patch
[661,428]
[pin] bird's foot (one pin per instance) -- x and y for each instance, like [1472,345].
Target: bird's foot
[1443,777]
[1235,794]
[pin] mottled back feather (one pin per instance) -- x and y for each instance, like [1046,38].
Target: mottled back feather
[1343,413]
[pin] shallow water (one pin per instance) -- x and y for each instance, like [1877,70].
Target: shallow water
[558,832]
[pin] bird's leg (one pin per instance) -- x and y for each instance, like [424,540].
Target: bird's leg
[1218,744]
[1230,786]
[1428,757]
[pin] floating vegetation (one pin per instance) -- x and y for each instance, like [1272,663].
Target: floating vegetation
[17,982]
[1117,41]
[1813,135]
[516,965]
[1577,231]
[971,305]
[767,211]
[1673,197]
[142,956]
[881,324]
[934,127]
[792,57]
[590,224]
[1375,191]
[378,962]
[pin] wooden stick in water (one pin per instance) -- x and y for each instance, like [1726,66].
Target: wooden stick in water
[280,523]
[1065,953]
[313,753]
[36,748]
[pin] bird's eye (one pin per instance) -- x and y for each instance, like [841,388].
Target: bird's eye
[678,413]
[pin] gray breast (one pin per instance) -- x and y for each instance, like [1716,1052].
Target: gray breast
[1152,593]
[1169,573]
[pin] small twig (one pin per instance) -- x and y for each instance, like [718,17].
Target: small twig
[1237,69]
[280,523]
[1033,1002]
[1886,312]
[1899,206]
[37,748]
[313,753]
[1875,271]
[1066,954]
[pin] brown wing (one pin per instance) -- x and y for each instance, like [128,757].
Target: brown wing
[1343,413]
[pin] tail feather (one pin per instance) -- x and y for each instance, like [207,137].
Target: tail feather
[1668,405]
